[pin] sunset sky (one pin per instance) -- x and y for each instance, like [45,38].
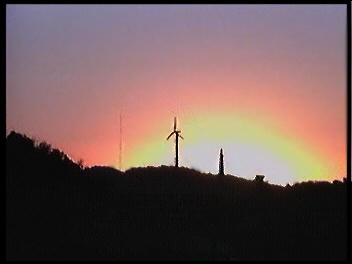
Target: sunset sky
[267,83]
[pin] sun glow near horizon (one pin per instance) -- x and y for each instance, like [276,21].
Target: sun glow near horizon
[251,145]
[250,79]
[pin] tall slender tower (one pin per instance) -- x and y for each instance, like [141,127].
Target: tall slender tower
[221,163]
[120,145]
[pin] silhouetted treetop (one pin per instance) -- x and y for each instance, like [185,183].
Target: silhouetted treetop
[58,210]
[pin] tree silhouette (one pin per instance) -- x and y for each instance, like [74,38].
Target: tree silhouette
[55,210]
[44,147]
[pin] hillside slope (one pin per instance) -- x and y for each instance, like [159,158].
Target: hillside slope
[57,210]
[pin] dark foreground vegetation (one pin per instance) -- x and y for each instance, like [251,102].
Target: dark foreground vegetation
[58,210]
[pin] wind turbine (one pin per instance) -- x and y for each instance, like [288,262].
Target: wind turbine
[177,133]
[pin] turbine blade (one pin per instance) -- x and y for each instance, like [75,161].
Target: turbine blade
[175,123]
[181,136]
[170,135]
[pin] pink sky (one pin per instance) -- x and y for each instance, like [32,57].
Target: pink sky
[71,70]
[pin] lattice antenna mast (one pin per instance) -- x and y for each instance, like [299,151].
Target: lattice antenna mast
[120,143]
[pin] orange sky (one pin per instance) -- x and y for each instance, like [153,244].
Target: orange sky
[71,70]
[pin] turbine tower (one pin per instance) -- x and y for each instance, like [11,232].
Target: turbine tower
[177,133]
[221,163]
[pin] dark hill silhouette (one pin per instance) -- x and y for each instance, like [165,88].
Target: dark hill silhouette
[57,210]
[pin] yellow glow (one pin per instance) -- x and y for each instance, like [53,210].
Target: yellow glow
[251,145]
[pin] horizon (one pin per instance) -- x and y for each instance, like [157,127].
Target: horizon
[267,84]
[162,166]
[58,210]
